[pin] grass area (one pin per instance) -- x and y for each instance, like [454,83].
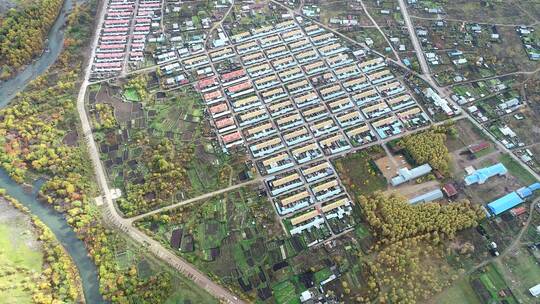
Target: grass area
[360,174]
[361,231]
[132,95]
[460,292]
[517,170]
[485,152]
[19,259]
[187,292]
[493,283]
[522,271]
[322,275]
[285,293]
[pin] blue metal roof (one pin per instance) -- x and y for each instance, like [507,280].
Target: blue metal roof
[504,203]
[534,187]
[480,176]
[524,192]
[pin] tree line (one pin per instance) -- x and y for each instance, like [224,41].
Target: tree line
[407,262]
[23,32]
[429,147]
[32,129]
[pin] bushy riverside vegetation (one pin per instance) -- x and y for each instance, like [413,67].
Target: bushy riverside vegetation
[408,263]
[59,280]
[33,130]
[23,32]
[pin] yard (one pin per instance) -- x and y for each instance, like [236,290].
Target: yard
[522,271]
[228,238]
[359,172]
[237,240]
[174,119]
[517,170]
[489,285]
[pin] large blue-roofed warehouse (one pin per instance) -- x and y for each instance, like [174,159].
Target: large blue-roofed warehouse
[480,176]
[504,203]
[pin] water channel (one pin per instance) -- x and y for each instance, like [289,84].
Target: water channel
[53,219]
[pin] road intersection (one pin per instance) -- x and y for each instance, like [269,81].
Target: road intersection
[112,215]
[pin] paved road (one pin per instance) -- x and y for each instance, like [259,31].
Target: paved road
[195,199]
[416,44]
[132,25]
[443,92]
[111,213]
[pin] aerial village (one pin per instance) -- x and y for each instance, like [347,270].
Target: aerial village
[306,119]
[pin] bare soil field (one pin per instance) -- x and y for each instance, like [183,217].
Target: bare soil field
[467,135]
[410,191]
[389,165]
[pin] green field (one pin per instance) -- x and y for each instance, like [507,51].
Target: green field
[523,271]
[132,95]
[494,283]
[285,293]
[517,170]
[186,292]
[460,292]
[19,259]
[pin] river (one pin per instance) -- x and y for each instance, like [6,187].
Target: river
[54,220]
[10,88]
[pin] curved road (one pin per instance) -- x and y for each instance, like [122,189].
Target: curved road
[155,247]
[220,22]
[112,215]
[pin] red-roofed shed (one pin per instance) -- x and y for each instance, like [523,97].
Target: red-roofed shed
[450,190]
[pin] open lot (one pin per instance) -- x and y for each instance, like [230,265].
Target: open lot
[460,292]
[360,173]
[521,271]
[20,255]
[390,164]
